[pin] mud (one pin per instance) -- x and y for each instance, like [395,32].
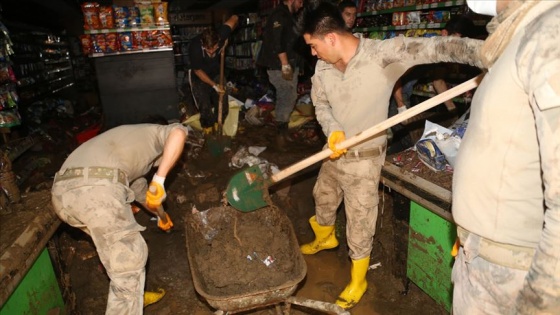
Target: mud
[234,253]
[221,264]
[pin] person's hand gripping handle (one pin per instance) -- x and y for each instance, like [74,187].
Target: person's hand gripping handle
[154,197]
[335,138]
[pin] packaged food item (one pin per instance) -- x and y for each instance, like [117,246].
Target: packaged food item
[146,14]
[160,13]
[91,15]
[150,39]
[98,43]
[122,16]
[126,42]
[9,118]
[163,38]
[134,17]
[413,17]
[106,17]
[138,40]
[87,44]
[112,42]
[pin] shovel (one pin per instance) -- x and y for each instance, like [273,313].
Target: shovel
[216,145]
[248,190]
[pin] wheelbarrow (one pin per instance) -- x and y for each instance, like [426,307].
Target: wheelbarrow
[244,261]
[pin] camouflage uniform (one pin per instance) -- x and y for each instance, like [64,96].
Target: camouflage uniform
[91,192]
[506,189]
[359,99]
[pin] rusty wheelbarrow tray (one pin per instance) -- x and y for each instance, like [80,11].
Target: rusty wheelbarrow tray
[202,234]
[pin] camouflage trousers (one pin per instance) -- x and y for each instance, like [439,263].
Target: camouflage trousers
[483,287]
[101,208]
[356,180]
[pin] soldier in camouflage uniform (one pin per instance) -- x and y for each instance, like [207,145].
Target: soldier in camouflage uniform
[506,184]
[91,192]
[351,89]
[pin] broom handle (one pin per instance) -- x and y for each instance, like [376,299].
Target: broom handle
[388,123]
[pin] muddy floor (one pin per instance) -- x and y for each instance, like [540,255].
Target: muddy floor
[197,184]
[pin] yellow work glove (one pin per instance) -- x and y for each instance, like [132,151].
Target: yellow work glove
[166,227]
[156,192]
[153,297]
[335,138]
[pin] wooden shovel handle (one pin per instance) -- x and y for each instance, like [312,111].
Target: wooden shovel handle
[222,86]
[388,123]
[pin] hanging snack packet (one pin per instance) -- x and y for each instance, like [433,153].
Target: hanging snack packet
[163,39]
[87,45]
[146,14]
[138,42]
[98,43]
[106,17]
[126,41]
[121,16]
[91,15]
[160,13]
[134,17]
[112,40]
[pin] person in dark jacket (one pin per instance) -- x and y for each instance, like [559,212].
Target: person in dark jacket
[278,55]
[204,55]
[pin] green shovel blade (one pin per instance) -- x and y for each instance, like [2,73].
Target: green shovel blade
[247,190]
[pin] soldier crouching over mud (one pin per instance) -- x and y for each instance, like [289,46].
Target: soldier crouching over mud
[92,192]
[352,85]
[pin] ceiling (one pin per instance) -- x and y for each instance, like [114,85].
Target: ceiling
[59,15]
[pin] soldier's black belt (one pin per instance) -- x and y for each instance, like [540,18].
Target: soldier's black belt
[113,174]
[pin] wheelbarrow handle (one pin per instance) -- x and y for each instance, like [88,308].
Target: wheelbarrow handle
[388,123]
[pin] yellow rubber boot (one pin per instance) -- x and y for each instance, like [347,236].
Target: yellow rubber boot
[153,297]
[357,286]
[324,238]
[208,130]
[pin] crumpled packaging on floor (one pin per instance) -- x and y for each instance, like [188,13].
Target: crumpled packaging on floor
[249,156]
[438,146]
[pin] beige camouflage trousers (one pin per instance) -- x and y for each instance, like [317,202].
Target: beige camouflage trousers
[482,287]
[102,209]
[356,180]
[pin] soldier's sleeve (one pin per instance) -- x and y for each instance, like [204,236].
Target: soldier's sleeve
[412,51]
[323,110]
[538,66]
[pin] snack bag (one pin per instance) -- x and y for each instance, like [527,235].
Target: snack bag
[134,17]
[106,17]
[150,39]
[146,14]
[112,42]
[160,13]
[163,39]
[138,42]
[87,44]
[126,41]
[121,16]
[98,43]
[91,15]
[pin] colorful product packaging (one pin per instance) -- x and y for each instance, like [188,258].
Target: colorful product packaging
[91,15]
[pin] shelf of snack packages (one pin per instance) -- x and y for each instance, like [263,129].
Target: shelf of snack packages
[113,30]
[383,19]
[406,5]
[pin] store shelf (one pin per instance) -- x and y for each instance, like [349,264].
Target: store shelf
[130,29]
[436,5]
[400,27]
[95,55]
